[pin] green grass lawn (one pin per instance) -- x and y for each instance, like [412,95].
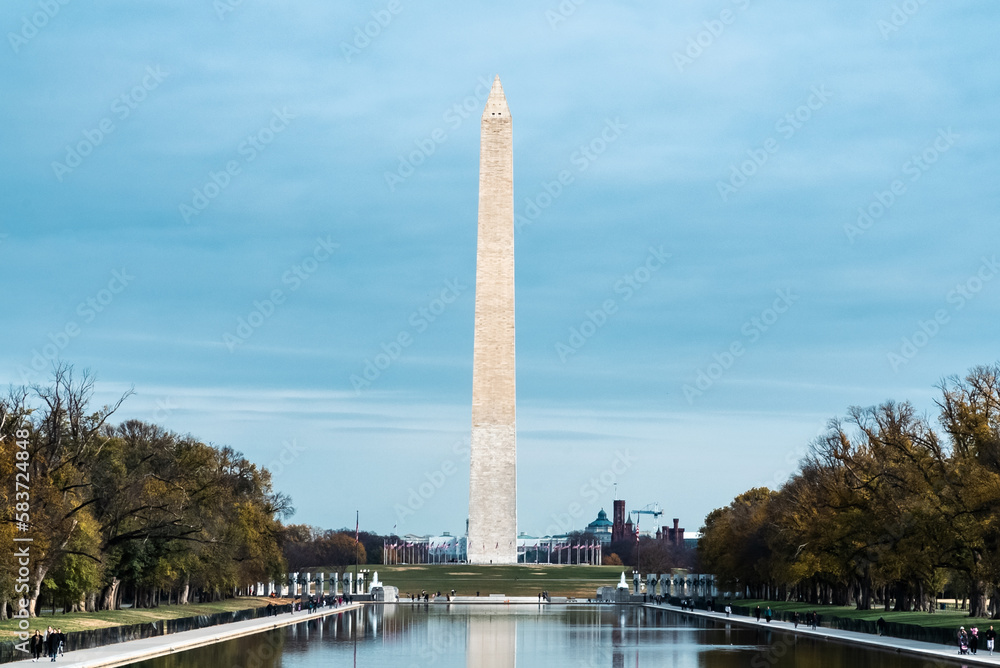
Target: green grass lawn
[521,580]
[937,619]
[81,621]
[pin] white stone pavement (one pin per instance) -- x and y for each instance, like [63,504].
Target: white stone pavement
[926,650]
[120,654]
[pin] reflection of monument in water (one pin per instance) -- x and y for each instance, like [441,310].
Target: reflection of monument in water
[493,466]
[492,641]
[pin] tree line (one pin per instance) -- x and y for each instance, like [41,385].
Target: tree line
[887,509]
[309,548]
[125,511]
[132,513]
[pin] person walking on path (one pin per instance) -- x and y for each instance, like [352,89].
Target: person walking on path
[756,613]
[795,619]
[62,641]
[52,645]
[37,642]
[991,637]
[973,639]
[729,610]
[815,620]
[768,614]
[880,625]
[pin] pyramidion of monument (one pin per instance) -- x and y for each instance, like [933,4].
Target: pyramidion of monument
[496,103]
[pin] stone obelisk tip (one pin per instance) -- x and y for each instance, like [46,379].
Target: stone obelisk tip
[496,103]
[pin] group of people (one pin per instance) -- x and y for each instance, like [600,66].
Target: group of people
[968,641]
[423,596]
[811,618]
[312,604]
[53,643]
[767,614]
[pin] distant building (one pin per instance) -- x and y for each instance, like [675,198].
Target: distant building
[674,535]
[691,539]
[623,528]
[448,549]
[601,528]
[413,549]
[564,549]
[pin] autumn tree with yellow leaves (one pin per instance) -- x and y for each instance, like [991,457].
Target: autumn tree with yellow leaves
[885,510]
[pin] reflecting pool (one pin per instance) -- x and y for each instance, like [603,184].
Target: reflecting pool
[501,636]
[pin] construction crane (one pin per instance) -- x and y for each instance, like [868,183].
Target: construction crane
[652,509]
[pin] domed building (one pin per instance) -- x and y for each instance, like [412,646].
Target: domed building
[601,528]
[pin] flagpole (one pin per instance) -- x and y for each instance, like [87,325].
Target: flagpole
[357,525]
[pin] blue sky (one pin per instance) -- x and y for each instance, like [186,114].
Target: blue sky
[769,212]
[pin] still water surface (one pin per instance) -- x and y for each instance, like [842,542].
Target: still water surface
[488,636]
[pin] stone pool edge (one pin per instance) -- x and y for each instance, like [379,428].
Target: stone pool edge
[885,643]
[121,654]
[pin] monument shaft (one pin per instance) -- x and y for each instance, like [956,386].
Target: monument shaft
[493,475]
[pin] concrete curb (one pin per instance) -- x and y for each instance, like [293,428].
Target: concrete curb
[883,643]
[120,654]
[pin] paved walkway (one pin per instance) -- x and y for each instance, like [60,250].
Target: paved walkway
[120,654]
[914,647]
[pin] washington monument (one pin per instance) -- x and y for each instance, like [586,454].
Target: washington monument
[493,474]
